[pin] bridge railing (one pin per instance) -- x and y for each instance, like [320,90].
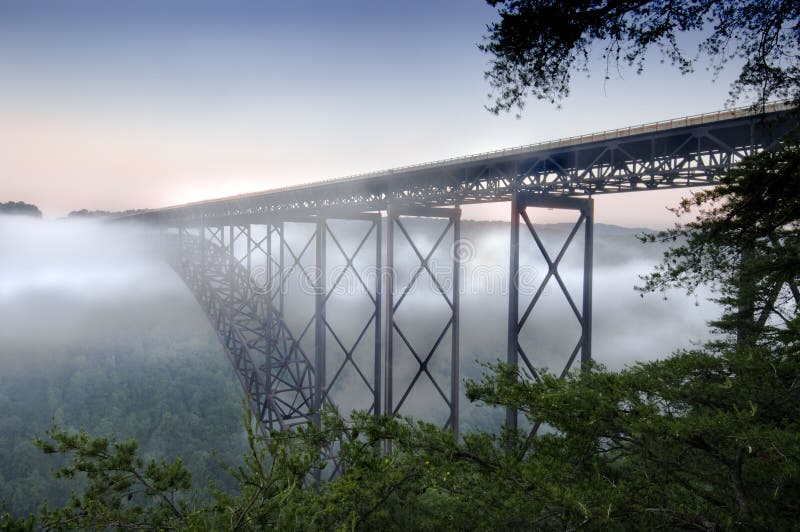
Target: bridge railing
[650,127]
[619,133]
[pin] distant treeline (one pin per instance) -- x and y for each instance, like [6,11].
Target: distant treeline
[20,208]
[28,209]
[85,213]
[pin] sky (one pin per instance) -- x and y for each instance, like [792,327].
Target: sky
[148,103]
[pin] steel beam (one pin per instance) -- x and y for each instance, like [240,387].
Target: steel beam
[395,299]
[319,322]
[675,154]
[515,352]
[350,366]
[455,350]
[588,275]
[377,375]
[512,352]
[389,333]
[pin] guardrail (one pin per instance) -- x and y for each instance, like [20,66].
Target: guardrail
[664,125]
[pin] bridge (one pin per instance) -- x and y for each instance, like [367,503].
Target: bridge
[238,255]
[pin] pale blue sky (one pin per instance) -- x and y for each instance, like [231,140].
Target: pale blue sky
[147,103]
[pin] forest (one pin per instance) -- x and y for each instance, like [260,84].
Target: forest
[168,385]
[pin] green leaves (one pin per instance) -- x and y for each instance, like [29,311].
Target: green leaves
[663,442]
[122,488]
[704,439]
[537,45]
[745,243]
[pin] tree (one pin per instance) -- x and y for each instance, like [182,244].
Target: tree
[745,243]
[538,44]
[702,440]
[20,208]
[85,213]
[116,476]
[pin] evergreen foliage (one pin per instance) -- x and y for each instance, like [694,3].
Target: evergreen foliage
[537,45]
[745,243]
[703,440]
[173,397]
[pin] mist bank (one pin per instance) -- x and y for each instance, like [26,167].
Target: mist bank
[86,279]
[80,284]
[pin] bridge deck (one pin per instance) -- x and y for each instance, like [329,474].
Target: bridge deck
[689,151]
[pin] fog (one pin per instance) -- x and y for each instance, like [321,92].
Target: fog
[67,284]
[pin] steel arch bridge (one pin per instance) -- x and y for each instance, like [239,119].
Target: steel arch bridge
[238,255]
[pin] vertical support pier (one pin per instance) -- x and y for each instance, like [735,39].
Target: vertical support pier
[588,273]
[269,294]
[319,323]
[515,351]
[378,344]
[346,353]
[512,354]
[421,359]
[389,330]
[455,349]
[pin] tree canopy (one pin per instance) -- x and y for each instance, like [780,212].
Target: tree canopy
[537,45]
[704,440]
[20,208]
[745,243]
[85,213]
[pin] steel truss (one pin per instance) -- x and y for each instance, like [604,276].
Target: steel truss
[681,154]
[396,297]
[350,371]
[240,276]
[220,286]
[583,315]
